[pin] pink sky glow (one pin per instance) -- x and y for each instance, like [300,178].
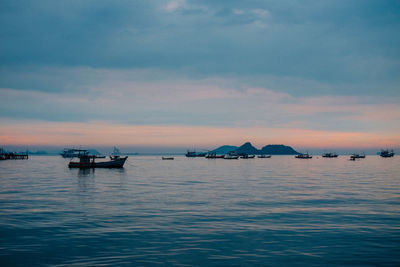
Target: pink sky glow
[107,134]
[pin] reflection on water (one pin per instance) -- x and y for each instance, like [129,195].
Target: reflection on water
[201,212]
[85,173]
[86,180]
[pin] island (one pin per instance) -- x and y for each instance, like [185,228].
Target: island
[249,149]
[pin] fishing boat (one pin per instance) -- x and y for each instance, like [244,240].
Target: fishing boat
[167,158]
[71,152]
[329,155]
[193,154]
[264,156]
[214,156]
[303,156]
[116,154]
[357,156]
[246,156]
[231,156]
[88,161]
[385,153]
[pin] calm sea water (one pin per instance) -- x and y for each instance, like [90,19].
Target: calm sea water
[278,211]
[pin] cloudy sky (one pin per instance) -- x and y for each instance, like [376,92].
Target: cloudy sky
[200,73]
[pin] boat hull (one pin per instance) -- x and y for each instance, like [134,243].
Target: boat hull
[215,157]
[303,157]
[387,154]
[118,163]
[231,157]
[196,155]
[248,157]
[357,156]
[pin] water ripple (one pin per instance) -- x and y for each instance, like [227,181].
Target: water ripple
[199,212]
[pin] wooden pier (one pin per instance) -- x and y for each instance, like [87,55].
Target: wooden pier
[12,155]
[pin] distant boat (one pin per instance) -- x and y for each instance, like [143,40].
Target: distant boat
[231,156]
[329,155]
[248,156]
[71,152]
[116,154]
[386,153]
[88,161]
[303,156]
[116,151]
[357,156]
[167,158]
[193,154]
[214,156]
[264,156]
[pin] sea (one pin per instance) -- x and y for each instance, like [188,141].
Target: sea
[280,211]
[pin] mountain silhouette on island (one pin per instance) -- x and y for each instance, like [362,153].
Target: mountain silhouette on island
[248,148]
[224,149]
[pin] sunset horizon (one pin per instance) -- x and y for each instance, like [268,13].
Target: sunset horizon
[199,75]
[199,133]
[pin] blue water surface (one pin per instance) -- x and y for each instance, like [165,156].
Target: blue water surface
[201,212]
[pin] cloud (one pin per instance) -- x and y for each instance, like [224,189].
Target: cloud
[335,42]
[129,97]
[237,11]
[104,133]
[174,5]
[264,13]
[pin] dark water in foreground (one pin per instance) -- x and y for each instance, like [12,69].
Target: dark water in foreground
[278,211]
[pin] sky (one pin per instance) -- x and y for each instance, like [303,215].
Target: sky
[183,73]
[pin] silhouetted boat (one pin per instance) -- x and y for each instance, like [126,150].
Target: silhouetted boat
[248,156]
[88,161]
[116,154]
[167,158]
[303,156]
[329,155]
[386,153]
[357,156]
[231,157]
[71,152]
[214,156]
[193,154]
[263,156]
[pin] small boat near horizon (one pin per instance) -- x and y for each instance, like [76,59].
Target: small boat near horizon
[214,156]
[231,157]
[303,156]
[116,154]
[329,155]
[263,156]
[71,152]
[246,156]
[194,154]
[357,156]
[385,153]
